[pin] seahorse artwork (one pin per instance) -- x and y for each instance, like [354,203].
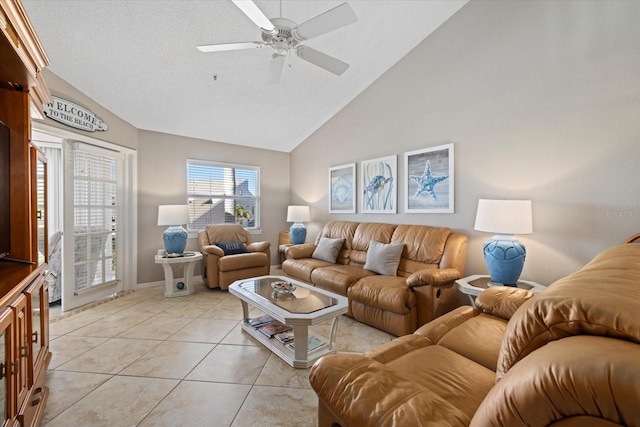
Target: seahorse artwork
[427,182]
[378,189]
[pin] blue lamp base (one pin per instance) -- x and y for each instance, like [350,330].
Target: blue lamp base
[298,233]
[504,256]
[175,239]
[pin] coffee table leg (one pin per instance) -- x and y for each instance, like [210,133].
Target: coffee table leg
[334,331]
[245,310]
[301,336]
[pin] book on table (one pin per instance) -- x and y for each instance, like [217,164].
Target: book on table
[285,337]
[274,328]
[256,322]
[313,343]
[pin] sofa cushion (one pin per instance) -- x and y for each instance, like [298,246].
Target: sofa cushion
[232,248]
[328,249]
[383,258]
[338,278]
[388,293]
[364,234]
[242,261]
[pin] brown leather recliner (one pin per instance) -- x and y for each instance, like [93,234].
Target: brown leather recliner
[568,356]
[220,270]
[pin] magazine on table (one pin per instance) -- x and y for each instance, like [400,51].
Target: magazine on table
[314,343]
[256,322]
[274,328]
[285,337]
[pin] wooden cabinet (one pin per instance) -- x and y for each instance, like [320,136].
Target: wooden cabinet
[24,345]
[24,315]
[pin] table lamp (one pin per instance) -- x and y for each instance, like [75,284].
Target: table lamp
[503,253]
[175,237]
[298,215]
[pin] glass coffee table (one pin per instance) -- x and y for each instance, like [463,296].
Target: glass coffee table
[305,306]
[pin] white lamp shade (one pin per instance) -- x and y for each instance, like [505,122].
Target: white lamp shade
[173,214]
[298,214]
[504,216]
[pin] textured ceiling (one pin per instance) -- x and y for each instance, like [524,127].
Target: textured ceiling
[138,59]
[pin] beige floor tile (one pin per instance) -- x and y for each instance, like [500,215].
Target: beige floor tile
[66,388]
[197,403]
[77,321]
[278,373]
[110,357]
[204,330]
[231,364]
[360,339]
[225,311]
[110,326]
[239,337]
[148,307]
[66,347]
[169,360]
[119,401]
[278,406]
[187,310]
[155,328]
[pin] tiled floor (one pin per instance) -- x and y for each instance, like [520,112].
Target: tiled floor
[146,360]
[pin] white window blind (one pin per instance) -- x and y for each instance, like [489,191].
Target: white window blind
[95,215]
[221,193]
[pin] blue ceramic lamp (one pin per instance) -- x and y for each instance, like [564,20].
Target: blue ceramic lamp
[175,237]
[298,215]
[503,253]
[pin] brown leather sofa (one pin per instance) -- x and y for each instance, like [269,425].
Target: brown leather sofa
[568,356]
[422,289]
[220,270]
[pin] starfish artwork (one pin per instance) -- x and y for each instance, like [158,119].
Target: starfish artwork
[427,182]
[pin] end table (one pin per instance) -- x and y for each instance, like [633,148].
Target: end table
[472,286]
[188,260]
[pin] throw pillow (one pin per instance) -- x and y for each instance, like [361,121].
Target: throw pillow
[383,258]
[328,249]
[232,248]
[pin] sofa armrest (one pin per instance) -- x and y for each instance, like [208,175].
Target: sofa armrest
[259,246]
[364,392]
[212,250]
[300,251]
[589,379]
[502,301]
[433,276]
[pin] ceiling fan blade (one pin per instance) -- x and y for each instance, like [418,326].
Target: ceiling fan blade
[330,20]
[250,9]
[322,60]
[229,46]
[275,68]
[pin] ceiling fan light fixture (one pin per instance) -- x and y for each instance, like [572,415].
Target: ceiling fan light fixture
[275,68]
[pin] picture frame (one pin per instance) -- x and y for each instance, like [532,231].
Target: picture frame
[429,180]
[342,189]
[379,185]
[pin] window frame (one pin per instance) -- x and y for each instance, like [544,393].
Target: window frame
[217,164]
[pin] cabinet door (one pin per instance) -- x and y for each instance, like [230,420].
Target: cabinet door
[38,307]
[20,366]
[7,393]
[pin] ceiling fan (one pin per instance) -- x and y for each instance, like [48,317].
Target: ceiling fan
[284,35]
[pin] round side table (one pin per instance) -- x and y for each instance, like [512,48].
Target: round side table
[188,260]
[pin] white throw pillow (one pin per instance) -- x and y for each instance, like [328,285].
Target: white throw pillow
[383,258]
[328,249]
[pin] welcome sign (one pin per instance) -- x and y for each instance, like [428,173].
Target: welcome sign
[74,115]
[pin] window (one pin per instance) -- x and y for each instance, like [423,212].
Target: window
[222,193]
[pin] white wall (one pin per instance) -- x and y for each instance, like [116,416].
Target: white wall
[162,180]
[542,101]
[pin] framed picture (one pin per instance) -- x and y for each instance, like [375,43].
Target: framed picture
[378,185]
[429,180]
[342,189]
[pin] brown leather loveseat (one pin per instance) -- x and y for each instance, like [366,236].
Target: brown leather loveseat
[421,288]
[568,356]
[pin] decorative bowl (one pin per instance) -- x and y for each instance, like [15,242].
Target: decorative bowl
[283,287]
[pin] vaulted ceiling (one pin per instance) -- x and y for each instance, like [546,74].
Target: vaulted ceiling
[139,60]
